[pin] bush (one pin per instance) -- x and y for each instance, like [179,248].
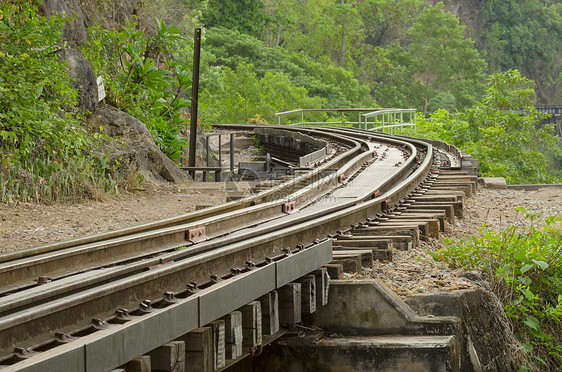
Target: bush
[502,132]
[142,77]
[524,268]
[45,150]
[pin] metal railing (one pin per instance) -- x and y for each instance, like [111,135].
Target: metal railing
[389,119]
[376,119]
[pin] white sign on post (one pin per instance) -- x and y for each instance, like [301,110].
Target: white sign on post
[101,89]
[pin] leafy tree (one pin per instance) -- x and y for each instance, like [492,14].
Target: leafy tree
[502,131]
[444,60]
[507,137]
[397,85]
[385,21]
[144,79]
[525,35]
[320,78]
[282,20]
[331,28]
[245,16]
[242,95]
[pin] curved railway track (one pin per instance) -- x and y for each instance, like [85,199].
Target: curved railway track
[186,264]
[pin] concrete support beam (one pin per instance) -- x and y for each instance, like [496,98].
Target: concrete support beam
[376,311]
[367,353]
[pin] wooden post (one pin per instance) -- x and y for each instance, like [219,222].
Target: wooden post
[139,364]
[169,357]
[218,343]
[199,349]
[308,294]
[270,313]
[233,334]
[322,286]
[194,96]
[290,304]
[251,325]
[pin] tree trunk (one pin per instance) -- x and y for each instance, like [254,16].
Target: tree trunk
[342,52]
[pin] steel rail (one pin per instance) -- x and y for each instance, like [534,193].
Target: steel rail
[63,262]
[252,244]
[214,226]
[62,259]
[196,215]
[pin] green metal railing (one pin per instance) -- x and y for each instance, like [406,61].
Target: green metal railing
[376,119]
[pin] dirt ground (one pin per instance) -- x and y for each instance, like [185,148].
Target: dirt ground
[26,225]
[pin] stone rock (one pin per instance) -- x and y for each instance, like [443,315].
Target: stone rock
[81,70]
[75,32]
[488,343]
[495,183]
[135,144]
[85,13]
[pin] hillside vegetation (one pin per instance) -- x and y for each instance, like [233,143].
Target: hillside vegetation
[260,57]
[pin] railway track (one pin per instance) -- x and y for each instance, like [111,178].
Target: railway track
[64,302]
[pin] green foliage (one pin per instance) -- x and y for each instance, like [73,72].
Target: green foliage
[502,131]
[385,21]
[143,78]
[245,16]
[507,137]
[45,151]
[444,61]
[525,35]
[242,96]
[524,267]
[322,78]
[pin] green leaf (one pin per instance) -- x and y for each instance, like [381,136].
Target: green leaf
[526,268]
[542,264]
[532,323]
[527,347]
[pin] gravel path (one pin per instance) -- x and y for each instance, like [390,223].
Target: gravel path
[415,271]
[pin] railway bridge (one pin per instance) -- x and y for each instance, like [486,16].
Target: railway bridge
[214,289]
